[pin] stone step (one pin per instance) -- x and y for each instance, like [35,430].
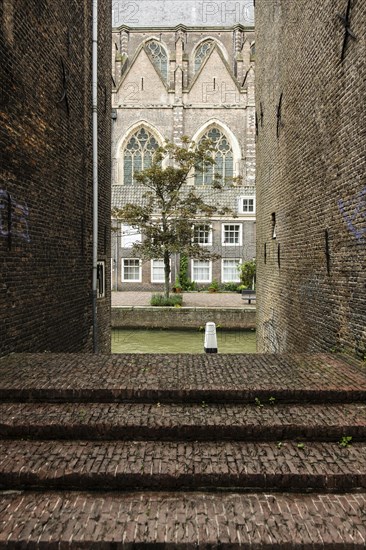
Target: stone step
[179,378]
[204,422]
[181,466]
[199,520]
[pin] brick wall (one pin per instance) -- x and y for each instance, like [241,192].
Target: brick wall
[46,175]
[311,176]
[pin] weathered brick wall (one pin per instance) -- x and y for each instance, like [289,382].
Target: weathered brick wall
[182,318]
[311,175]
[46,175]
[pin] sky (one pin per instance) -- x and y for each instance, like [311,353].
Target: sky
[163,13]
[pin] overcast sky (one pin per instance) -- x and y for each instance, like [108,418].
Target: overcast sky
[162,13]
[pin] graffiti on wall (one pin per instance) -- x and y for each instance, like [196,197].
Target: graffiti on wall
[274,340]
[13,217]
[354,214]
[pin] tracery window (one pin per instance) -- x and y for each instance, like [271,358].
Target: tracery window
[159,57]
[201,53]
[138,154]
[223,156]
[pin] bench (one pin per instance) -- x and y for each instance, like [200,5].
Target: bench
[249,295]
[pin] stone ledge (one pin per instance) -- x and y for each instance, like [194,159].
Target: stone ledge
[134,317]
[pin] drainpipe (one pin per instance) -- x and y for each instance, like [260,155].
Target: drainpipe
[95,170]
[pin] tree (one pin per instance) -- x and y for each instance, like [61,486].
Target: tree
[247,273]
[170,210]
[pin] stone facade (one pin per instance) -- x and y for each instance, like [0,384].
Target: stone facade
[310,104]
[185,96]
[46,175]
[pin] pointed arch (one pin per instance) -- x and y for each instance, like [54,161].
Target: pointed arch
[228,155]
[158,54]
[135,151]
[203,49]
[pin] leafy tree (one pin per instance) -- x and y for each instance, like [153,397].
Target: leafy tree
[169,210]
[247,273]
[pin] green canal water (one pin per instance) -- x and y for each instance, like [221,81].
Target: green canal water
[179,341]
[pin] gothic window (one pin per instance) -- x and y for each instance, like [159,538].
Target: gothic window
[201,53]
[223,156]
[138,154]
[159,57]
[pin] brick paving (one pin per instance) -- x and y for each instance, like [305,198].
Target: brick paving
[155,465]
[182,452]
[166,421]
[190,299]
[114,521]
[179,378]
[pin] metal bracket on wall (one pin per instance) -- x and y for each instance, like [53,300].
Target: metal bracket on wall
[9,222]
[261,113]
[279,255]
[347,31]
[279,116]
[256,124]
[327,252]
[64,96]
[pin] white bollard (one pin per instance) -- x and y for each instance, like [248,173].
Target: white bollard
[210,345]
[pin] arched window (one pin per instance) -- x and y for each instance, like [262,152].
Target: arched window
[159,57]
[202,52]
[138,154]
[223,156]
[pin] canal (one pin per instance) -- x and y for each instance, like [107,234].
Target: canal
[180,341]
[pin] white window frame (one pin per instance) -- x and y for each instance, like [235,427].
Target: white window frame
[240,225]
[152,272]
[139,280]
[138,239]
[237,280]
[209,235]
[209,280]
[240,206]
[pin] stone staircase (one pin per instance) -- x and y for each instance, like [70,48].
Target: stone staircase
[179,451]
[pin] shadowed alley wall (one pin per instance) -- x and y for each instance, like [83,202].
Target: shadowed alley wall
[311,184]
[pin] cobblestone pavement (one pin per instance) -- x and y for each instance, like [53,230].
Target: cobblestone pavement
[190,299]
[254,521]
[179,378]
[182,451]
[166,421]
[133,465]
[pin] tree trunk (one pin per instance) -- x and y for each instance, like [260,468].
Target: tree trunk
[167,273]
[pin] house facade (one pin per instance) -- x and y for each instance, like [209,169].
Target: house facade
[185,81]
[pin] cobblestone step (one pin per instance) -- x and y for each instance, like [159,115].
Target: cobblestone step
[179,378]
[200,520]
[141,465]
[182,451]
[204,422]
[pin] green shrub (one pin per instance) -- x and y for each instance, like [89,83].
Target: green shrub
[230,287]
[184,281]
[247,273]
[214,286]
[172,301]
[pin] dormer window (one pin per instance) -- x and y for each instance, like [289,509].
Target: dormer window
[247,205]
